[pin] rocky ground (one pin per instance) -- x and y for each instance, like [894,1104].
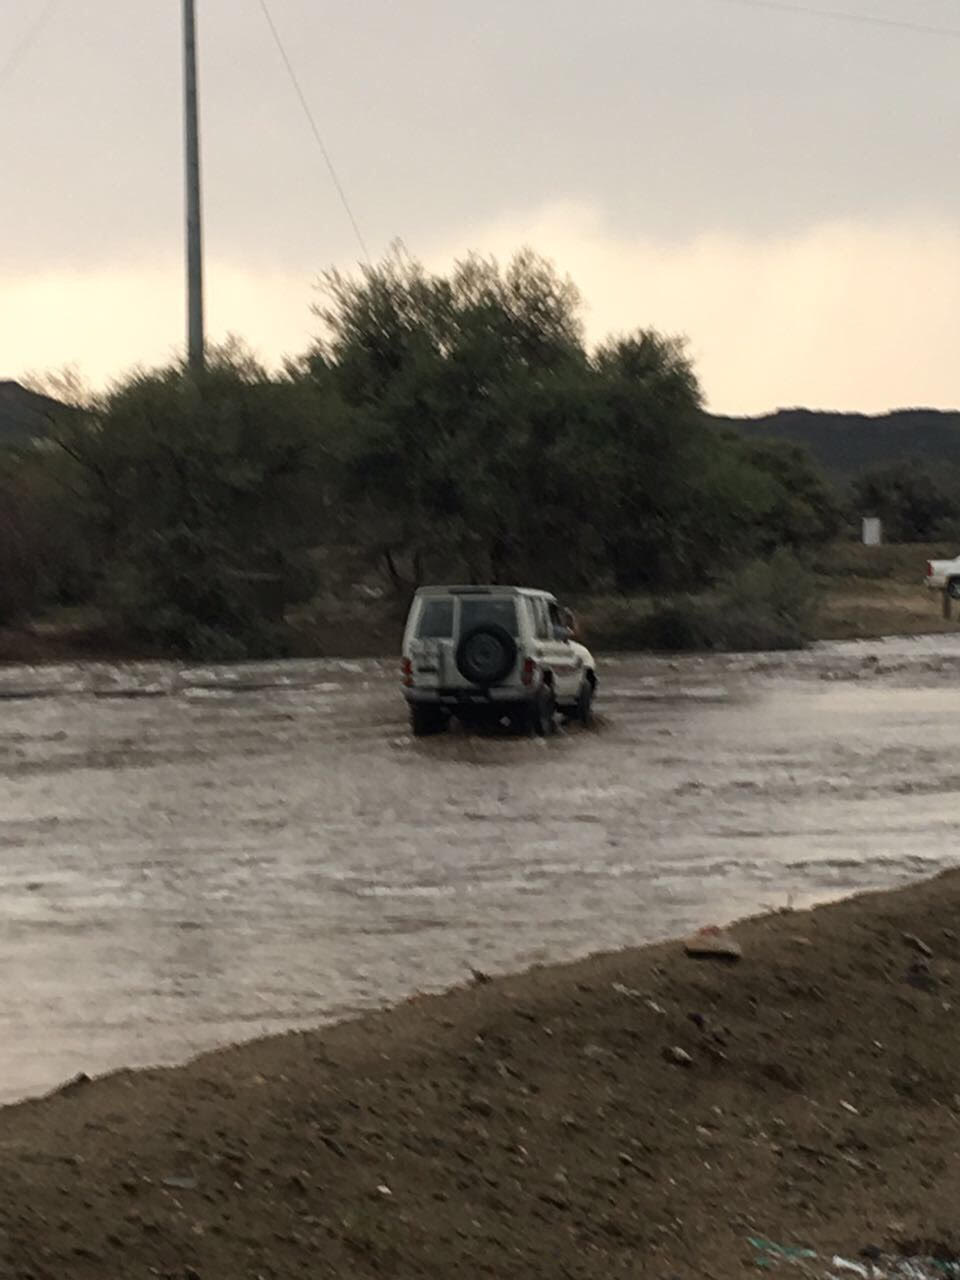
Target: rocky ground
[638,1114]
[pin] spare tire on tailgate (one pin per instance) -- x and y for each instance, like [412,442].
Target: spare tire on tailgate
[486,654]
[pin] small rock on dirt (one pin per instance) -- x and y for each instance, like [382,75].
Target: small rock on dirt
[920,977]
[178,1182]
[677,1056]
[918,944]
[713,944]
[782,1075]
[631,992]
[73,1084]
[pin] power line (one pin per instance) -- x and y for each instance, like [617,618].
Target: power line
[314,127]
[846,15]
[20,50]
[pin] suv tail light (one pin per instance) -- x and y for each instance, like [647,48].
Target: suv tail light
[929,569]
[407,669]
[529,668]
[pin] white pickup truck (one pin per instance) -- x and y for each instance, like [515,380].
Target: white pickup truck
[944,575]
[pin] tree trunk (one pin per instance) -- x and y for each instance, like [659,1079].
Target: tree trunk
[396,579]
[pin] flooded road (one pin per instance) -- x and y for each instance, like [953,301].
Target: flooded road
[190,857]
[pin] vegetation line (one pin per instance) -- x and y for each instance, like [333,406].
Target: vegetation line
[444,428]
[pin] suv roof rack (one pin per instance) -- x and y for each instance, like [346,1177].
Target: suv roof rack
[488,590]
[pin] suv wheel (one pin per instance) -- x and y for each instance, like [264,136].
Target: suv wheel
[427,720]
[536,718]
[584,711]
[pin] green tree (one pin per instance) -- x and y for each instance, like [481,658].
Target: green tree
[481,440]
[201,493]
[914,502]
[22,549]
[646,458]
[803,511]
[443,380]
[442,427]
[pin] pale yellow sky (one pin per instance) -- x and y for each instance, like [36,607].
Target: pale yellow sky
[841,315]
[781,186]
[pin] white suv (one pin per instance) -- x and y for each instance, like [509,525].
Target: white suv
[488,653]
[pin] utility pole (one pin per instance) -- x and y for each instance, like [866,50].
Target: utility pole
[195,339]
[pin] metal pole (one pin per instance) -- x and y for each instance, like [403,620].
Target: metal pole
[195,340]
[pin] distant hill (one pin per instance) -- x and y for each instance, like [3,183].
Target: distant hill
[24,414]
[847,443]
[842,443]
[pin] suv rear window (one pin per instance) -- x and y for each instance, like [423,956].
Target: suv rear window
[481,610]
[436,620]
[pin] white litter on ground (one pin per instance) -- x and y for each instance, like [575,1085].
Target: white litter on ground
[771,1256]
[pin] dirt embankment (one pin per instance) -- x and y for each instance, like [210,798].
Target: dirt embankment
[868,592]
[540,1125]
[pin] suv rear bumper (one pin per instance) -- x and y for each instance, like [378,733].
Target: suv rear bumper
[467,697]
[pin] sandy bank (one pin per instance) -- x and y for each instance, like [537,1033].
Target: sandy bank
[536,1125]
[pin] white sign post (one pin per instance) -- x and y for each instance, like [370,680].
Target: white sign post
[872,531]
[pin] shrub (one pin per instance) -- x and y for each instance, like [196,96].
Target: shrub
[768,604]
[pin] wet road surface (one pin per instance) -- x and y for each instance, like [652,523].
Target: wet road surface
[194,856]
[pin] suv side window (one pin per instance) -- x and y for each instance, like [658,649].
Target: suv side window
[556,620]
[541,619]
[436,620]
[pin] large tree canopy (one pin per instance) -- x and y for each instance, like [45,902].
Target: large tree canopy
[482,438]
[441,427]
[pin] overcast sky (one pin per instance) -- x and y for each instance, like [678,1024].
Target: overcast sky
[782,188]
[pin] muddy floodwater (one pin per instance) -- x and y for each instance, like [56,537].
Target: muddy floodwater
[195,856]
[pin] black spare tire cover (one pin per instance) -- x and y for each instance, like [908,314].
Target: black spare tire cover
[486,654]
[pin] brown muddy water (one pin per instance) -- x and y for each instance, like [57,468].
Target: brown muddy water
[194,856]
